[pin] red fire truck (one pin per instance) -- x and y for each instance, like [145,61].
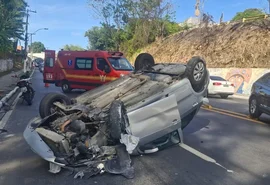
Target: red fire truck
[83,69]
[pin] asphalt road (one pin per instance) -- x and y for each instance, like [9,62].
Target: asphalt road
[239,145]
[231,104]
[238,105]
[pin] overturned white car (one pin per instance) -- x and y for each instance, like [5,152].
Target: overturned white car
[140,113]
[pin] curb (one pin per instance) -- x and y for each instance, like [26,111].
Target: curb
[5,99]
[7,114]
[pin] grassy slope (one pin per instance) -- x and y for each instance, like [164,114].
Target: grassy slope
[232,45]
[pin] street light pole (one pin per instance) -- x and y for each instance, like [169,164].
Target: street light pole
[26,38]
[31,36]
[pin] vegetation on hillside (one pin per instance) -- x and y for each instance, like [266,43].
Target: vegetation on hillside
[241,45]
[37,47]
[252,12]
[71,47]
[12,13]
[129,25]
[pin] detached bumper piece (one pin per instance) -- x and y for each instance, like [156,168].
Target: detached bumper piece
[121,165]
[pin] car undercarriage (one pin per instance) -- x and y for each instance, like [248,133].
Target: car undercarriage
[140,113]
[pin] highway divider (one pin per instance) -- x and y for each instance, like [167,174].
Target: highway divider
[7,97]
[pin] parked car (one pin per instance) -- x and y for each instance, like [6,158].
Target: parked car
[41,67]
[139,113]
[84,69]
[37,61]
[220,86]
[259,100]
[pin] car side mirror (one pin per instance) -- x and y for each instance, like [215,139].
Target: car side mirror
[107,69]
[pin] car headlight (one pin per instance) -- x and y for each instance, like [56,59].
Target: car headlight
[121,75]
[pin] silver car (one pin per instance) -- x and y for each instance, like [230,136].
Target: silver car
[140,113]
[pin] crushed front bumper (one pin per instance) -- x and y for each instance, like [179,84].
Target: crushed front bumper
[36,143]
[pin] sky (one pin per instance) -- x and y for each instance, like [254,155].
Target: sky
[68,20]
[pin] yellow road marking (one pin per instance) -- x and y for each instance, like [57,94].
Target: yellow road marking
[231,112]
[233,115]
[207,106]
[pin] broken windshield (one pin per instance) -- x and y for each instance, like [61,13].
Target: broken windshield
[121,64]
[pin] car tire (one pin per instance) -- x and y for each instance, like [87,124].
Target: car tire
[30,95]
[144,61]
[224,96]
[46,104]
[65,87]
[117,120]
[254,110]
[196,73]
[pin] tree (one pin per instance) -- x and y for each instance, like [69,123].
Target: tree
[11,23]
[252,12]
[130,25]
[102,38]
[70,47]
[37,47]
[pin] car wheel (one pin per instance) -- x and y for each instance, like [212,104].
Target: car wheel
[30,95]
[254,111]
[224,96]
[144,61]
[65,87]
[46,106]
[117,120]
[196,73]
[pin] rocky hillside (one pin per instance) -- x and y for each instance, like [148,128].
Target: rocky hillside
[228,45]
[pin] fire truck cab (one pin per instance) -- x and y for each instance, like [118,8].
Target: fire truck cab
[83,69]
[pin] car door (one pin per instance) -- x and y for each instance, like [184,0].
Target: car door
[84,73]
[155,120]
[103,70]
[48,72]
[264,93]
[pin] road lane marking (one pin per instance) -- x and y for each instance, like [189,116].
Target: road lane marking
[231,112]
[203,156]
[236,116]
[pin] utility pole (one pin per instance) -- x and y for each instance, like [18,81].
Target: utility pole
[26,37]
[26,29]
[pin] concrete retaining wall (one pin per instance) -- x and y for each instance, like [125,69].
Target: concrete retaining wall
[242,78]
[6,64]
